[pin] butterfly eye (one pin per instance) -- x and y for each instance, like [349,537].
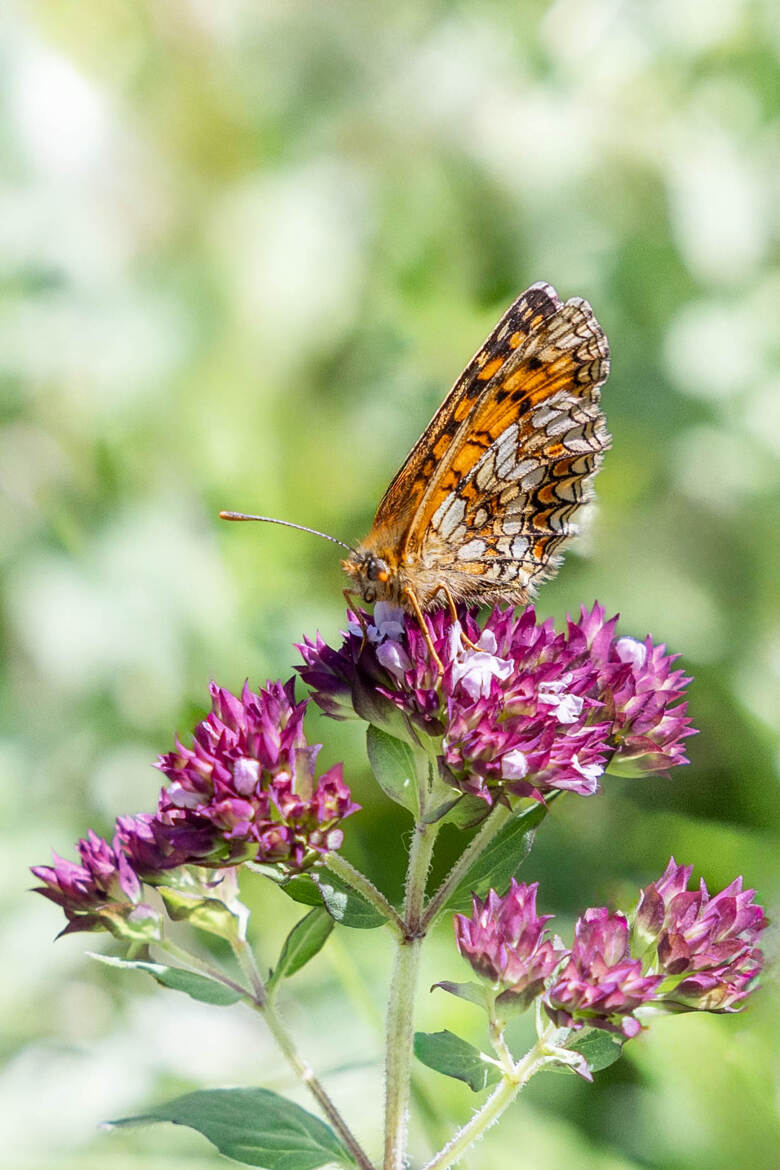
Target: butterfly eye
[377,570]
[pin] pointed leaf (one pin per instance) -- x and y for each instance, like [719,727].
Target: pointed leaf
[303,942]
[441,797]
[254,1126]
[598,1048]
[200,987]
[302,889]
[477,993]
[209,914]
[394,765]
[345,905]
[452,1056]
[467,812]
[500,860]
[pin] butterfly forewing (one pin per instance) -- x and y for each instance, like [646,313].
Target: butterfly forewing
[487,496]
[403,497]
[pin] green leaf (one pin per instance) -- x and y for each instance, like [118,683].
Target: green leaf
[477,993]
[302,889]
[346,906]
[209,914]
[598,1048]
[342,902]
[200,987]
[454,1057]
[440,797]
[254,1126]
[630,769]
[394,765]
[467,812]
[500,860]
[303,942]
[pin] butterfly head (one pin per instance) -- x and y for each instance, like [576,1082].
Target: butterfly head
[373,577]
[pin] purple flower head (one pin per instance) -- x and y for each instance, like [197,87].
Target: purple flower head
[528,712]
[507,942]
[709,941]
[103,887]
[601,985]
[246,789]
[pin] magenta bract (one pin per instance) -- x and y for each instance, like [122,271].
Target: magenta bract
[527,713]
[600,985]
[508,943]
[710,940]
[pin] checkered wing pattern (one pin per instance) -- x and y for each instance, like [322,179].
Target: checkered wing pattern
[488,495]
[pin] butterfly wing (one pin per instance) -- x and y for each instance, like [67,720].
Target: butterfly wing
[398,513]
[501,504]
[488,494]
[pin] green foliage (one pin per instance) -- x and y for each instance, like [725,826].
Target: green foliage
[303,942]
[345,905]
[454,1057]
[254,1126]
[501,859]
[200,987]
[243,257]
[395,768]
[600,1049]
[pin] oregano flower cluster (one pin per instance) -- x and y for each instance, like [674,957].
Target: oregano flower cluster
[507,716]
[520,709]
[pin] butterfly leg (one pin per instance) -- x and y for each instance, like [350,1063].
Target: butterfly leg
[348,595]
[454,614]
[426,633]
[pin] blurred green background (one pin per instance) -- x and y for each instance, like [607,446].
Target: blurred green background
[245,248]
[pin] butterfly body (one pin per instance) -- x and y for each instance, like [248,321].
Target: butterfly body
[486,498]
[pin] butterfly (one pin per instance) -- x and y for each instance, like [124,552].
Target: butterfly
[486,499]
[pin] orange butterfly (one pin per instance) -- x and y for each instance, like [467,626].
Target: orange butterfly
[485,499]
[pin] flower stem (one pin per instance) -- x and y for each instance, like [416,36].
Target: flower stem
[400,1008]
[304,1071]
[502,1096]
[494,821]
[263,1003]
[366,888]
[198,964]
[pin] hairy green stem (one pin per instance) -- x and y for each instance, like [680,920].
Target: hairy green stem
[494,821]
[262,1002]
[305,1073]
[502,1096]
[366,888]
[400,1008]
[198,964]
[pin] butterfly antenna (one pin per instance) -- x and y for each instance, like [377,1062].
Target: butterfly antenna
[285,524]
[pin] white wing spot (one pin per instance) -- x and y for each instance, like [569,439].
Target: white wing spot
[471,551]
[448,515]
[519,546]
[558,520]
[559,424]
[485,474]
[524,467]
[533,478]
[518,503]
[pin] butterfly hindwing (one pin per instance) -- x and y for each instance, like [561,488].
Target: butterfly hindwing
[501,501]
